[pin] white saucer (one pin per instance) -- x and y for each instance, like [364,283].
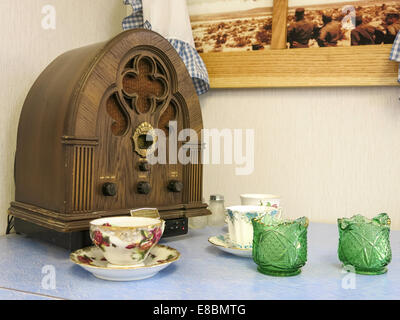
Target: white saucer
[224,243]
[92,260]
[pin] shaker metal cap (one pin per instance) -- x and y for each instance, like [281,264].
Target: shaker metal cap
[216,197]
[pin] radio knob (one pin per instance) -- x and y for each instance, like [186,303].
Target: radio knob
[175,186]
[143,187]
[109,189]
[144,166]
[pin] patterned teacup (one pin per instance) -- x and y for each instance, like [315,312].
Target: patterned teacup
[126,240]
[240,226]
[255,199]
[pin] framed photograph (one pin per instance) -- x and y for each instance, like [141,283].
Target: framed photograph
[296,43]
[330,23]
[235,25]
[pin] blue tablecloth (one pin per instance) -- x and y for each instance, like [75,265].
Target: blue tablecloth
[203,272]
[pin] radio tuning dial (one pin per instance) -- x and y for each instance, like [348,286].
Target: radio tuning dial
[109,189]
[175,186]
[143,187]
[144,166]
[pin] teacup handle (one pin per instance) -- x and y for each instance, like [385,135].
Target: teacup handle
[146,213]
[162,226]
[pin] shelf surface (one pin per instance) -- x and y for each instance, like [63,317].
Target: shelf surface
[203,273]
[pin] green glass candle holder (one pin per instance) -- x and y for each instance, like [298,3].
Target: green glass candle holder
[364,243]
[280,246]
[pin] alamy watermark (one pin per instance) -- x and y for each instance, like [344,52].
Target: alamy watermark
[49,278]
[349,281]
[349,20]
[50,16]
[227,146]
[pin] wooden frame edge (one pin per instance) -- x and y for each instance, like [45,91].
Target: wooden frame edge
[312,67]
[319,67]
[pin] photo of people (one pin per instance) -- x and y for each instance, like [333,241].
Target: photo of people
[335,23]
[231,25]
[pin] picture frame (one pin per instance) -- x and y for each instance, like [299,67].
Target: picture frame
[367,65]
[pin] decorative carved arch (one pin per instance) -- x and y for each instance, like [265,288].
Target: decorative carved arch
[60,136]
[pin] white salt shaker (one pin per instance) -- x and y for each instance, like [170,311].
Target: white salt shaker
[217,208]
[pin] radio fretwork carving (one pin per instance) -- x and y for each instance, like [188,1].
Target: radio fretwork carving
[143,86]
[170,114]
[116,112]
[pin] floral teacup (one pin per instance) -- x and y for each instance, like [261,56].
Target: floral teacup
[126,240]
[255,199]
[240,226]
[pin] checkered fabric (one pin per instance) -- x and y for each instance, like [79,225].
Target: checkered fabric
[135,20]
[189,55]
[395,53]
[194,64]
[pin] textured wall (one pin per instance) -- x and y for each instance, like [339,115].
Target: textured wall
[26,49]
[329,152]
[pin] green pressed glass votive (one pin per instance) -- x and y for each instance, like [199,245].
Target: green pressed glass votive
[364,243]
[280,246]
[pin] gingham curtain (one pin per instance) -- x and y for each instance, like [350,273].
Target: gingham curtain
[395,53]
[189,55]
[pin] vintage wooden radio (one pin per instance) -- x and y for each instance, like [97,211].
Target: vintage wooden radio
[83,138]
